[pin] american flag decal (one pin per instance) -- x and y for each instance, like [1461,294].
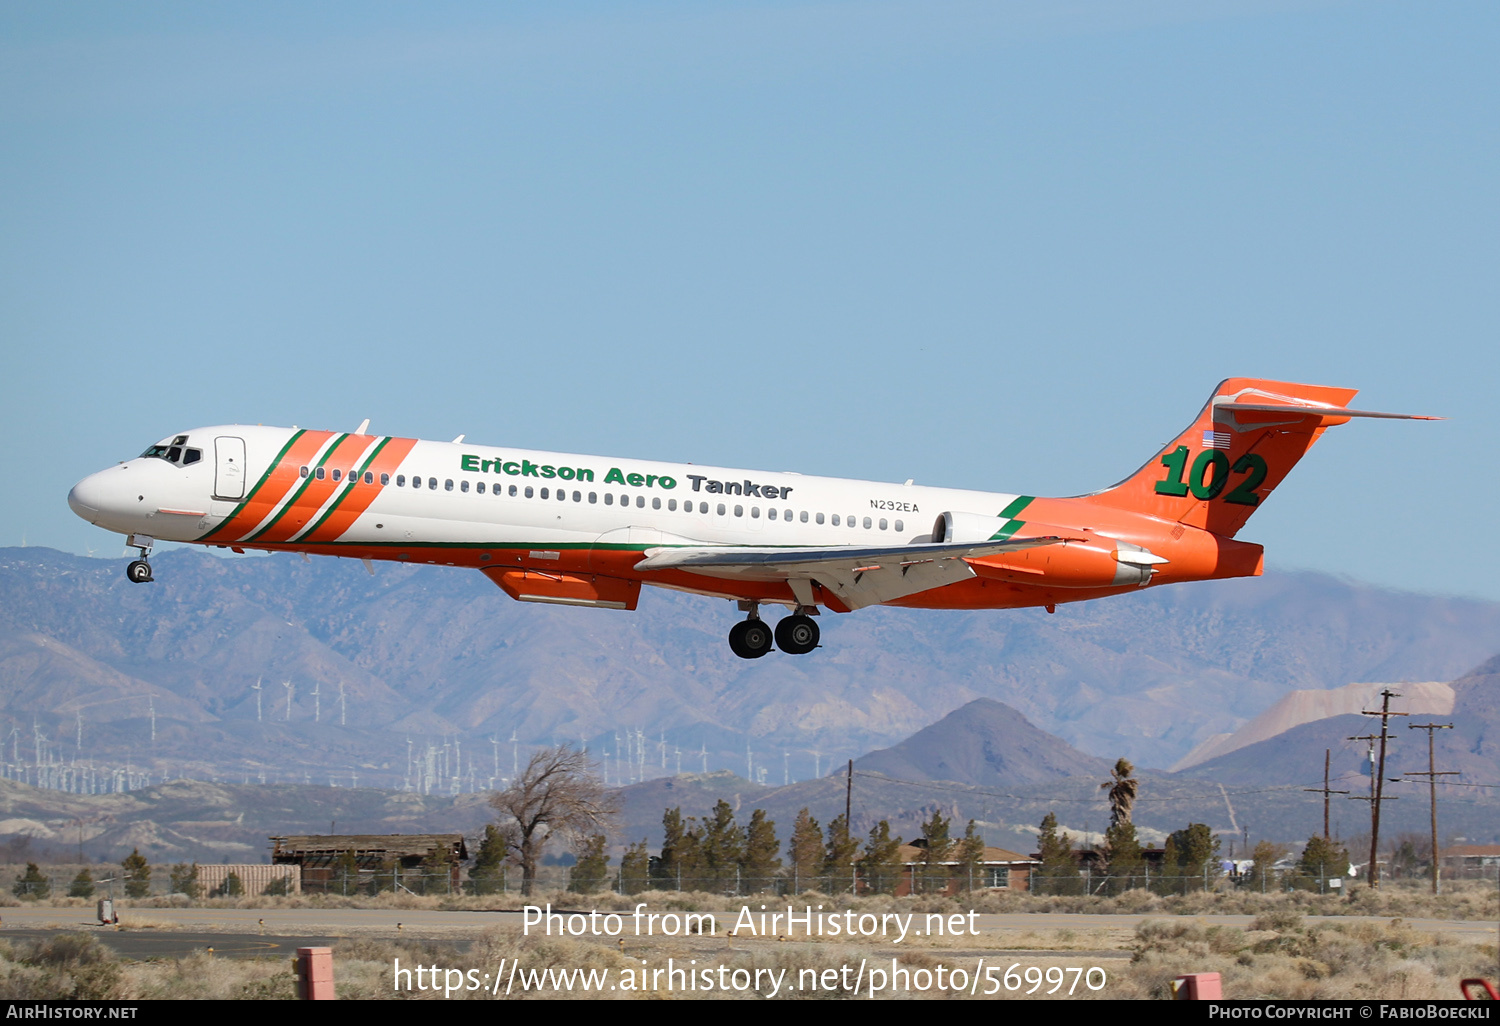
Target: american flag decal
[1216,439]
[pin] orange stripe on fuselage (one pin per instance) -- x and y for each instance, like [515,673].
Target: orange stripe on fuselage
[282,479]
[297,516]
[361,495]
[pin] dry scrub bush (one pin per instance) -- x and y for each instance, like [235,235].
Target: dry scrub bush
[71,966]
[202,977]
[1280,958]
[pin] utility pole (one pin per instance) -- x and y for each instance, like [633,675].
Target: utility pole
[848,794]
[1432,774]
[1377,778]
[1325,792]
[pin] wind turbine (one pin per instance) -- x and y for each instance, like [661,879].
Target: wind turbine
[342,709]
[256,688]
[291,689]
[317,705]
[704,753]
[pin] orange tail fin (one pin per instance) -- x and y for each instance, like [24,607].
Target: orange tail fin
[1245,441]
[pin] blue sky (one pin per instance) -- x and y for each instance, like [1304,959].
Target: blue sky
[992,245]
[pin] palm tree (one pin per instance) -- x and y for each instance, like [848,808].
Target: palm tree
[1122,787]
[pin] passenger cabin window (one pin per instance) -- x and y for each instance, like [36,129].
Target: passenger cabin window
[432,484]
[479,487]
[321,473]
[529,492]
[448,485]
[370,478]
[304,473]
[463,485]
[385,479]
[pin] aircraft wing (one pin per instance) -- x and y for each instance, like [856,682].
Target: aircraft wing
[859,575]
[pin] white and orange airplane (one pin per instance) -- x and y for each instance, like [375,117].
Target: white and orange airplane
[589,531]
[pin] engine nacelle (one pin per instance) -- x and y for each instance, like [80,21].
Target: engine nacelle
[958,528]
[1085,560]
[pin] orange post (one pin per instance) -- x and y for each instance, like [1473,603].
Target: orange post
[315,974]
[1198,987]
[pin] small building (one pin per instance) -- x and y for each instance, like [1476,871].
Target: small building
[997,868]
[323,858]
[254,878]
[1472,859]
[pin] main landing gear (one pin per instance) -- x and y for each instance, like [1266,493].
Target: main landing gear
[751,638]
[139,570]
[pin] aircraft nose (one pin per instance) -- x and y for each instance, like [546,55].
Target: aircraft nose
[87,498]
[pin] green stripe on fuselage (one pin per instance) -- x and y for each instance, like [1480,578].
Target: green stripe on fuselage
[1011,512]
[258,485]
[354,481]
[297,496]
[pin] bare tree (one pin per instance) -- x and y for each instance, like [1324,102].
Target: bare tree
[557,793]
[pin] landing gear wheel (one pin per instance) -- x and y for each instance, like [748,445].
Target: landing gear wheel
[139,571]
[750,639]
[797,634]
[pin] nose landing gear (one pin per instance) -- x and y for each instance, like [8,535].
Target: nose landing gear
[139,570]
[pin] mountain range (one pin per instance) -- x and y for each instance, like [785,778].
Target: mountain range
[380,695]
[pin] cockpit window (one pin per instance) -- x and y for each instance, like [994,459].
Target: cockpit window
[174,453]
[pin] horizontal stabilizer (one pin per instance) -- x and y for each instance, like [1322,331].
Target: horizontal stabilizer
[1320,411]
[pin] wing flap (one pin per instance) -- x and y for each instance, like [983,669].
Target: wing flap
[859,575]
